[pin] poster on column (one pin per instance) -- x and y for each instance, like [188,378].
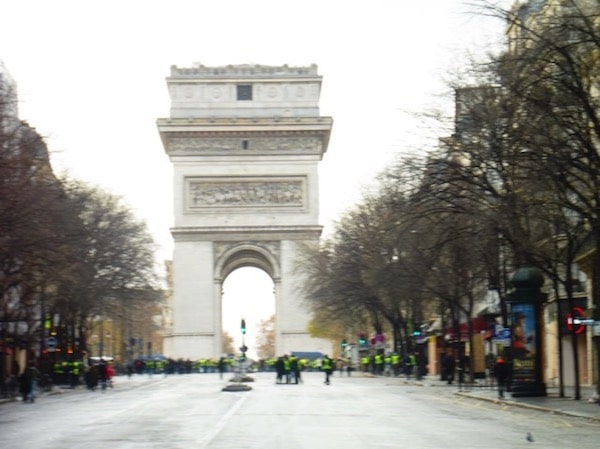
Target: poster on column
[523,343]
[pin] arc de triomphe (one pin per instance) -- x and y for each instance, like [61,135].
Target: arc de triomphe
[245,142]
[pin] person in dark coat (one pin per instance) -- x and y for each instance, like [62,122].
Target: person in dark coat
[27,382]
[103,376]
[280,369]
[24,386]
[91,377]
[449,365]
[501,373]
[221,367]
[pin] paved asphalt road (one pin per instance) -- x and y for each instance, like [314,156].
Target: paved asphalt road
[192,411]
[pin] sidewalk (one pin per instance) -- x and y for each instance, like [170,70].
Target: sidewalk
[119,382]
[17,398]
[552,403]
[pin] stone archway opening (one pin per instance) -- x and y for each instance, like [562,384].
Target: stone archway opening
[248,273]
[248,293]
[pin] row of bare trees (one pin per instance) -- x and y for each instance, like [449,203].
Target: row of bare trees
[71,254]
[518,182]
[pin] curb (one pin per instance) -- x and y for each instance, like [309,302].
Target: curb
[527,406]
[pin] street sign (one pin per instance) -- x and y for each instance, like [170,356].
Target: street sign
[585,322]
[575,320]
[502,333]
[51,343]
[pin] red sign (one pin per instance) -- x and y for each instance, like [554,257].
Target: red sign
[574,320]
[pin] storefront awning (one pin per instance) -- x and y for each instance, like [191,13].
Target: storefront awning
[479,324]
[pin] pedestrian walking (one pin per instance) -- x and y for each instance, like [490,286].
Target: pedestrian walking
[129,369]
[279,368]
[378,362]
[395,360]
[501,373]
[221,367]
[110,373]
[449,365]
[103,374]
[409,363]
[28,382]
[327,367]
[287,368]
[421,366]
[91,377]
[295,367]
[34,376]
[365,362]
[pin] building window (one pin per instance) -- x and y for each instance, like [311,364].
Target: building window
[244,92]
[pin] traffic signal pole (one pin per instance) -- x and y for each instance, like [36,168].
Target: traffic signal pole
[238,382]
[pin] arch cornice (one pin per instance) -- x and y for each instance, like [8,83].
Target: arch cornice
[239,233]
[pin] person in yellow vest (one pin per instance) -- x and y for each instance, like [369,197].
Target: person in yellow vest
[315,365]
[150,366]
[388,364]
[303,363]
[378,361]
[65,372]
[57,373]
[327,367]
[410,362]
[396,364]
[287,368]
[295,368]
[75,372]
[365,362]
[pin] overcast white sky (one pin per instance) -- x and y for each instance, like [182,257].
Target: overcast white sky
[91,78]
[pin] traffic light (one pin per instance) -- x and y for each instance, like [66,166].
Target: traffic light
[344,344]
[362,339]
[243,326]
[416,330]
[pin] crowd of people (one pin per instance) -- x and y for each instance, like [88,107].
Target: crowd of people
[392,364]
[99,372]
[288,368]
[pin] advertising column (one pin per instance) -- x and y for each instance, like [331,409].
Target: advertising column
[525,318]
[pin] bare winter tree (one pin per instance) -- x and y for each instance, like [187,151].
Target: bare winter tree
[265,340]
